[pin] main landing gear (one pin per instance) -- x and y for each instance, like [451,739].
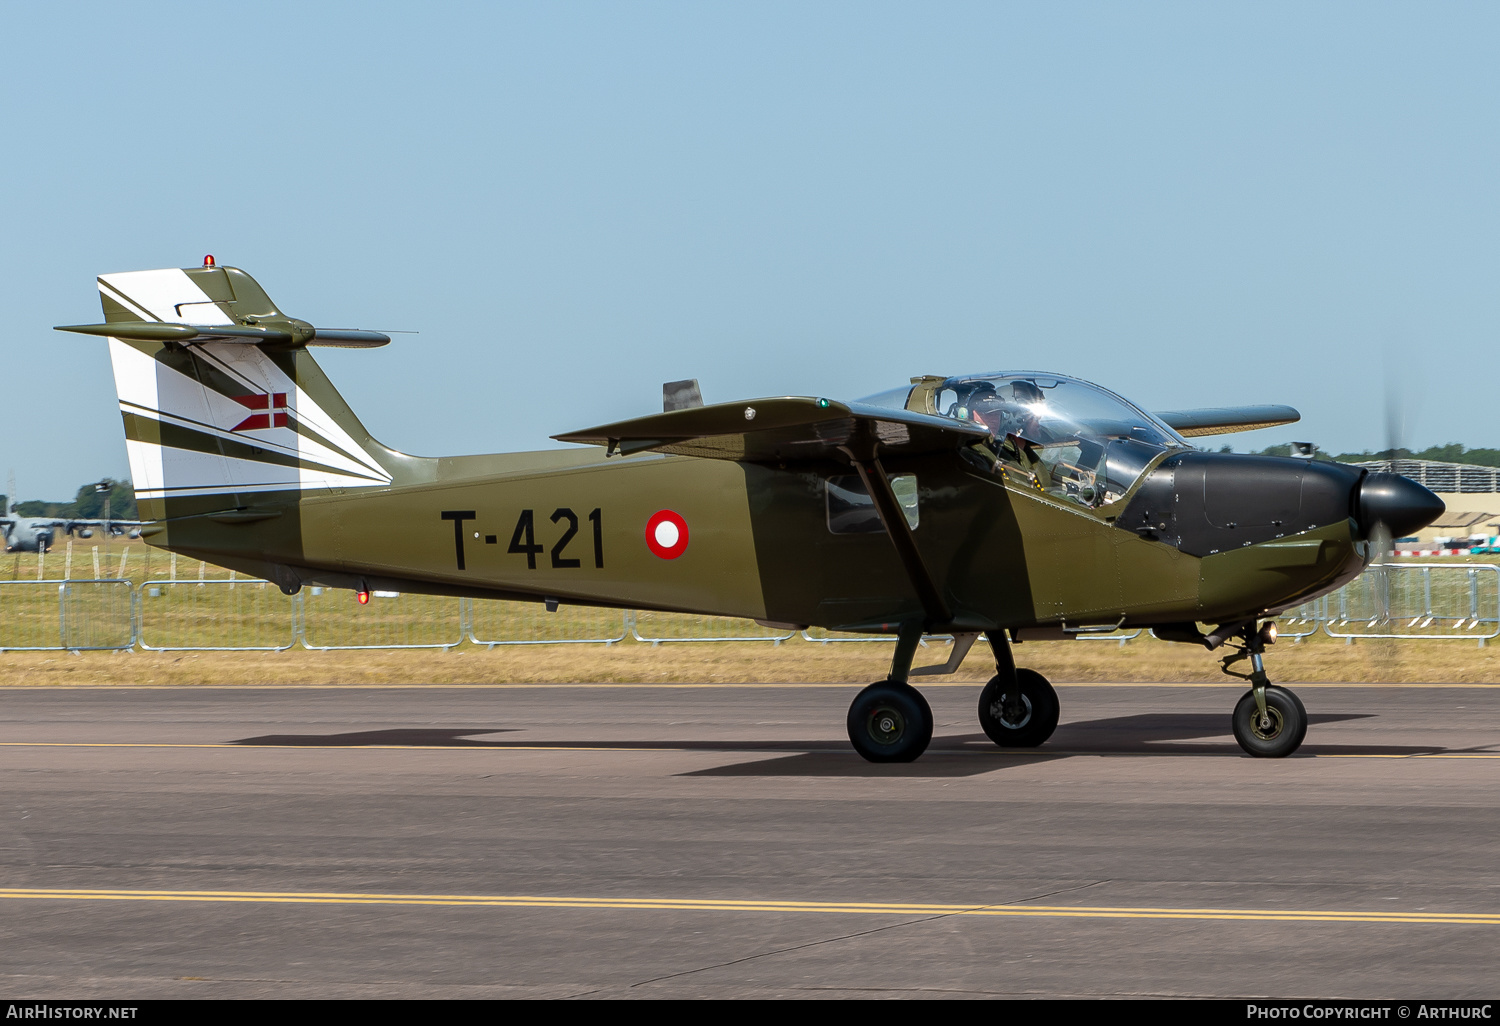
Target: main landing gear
[890,721]
[1018,708]
[1269,722]
[1019,713]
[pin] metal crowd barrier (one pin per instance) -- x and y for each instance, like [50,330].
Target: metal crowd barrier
[1418,601]
[824,637]
[215,616]
[492,622]
[390,619]
[1117,636]
[76,615]
[676,627]
[1302,621]
[1430,601]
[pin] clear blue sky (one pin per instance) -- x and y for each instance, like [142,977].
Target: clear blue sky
[1194,204]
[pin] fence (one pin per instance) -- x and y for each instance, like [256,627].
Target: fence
[80,615]
[670,627]
[823,636]
[492,622]
[1402,600]
[1432,601]
[390,619]
[1441,477]
[214,615]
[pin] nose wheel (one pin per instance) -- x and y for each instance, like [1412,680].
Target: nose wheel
[1274,732]
[1269,721]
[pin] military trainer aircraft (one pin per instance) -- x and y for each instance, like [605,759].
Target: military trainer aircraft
[1016,506]
[36,534]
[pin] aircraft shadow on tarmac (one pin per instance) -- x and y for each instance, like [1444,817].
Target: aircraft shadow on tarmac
[961,755]
[470,737]
[1172,734]
[415,737]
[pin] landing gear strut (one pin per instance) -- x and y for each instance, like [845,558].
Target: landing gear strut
[890,721]
[1269,722]
[1018,708]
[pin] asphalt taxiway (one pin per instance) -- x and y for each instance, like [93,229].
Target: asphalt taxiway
[724,840]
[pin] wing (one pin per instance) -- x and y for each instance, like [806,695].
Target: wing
[1227,419]
[780,430]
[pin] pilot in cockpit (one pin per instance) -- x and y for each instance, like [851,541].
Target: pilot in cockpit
[1013,414]
[1015,422]
[1070,439]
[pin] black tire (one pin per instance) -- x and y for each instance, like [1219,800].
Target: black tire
[1285,732]
[1037,720]
[890,722]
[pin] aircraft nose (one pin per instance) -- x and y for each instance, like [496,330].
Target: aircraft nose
[1398,502]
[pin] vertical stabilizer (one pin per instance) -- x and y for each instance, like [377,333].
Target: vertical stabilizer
[235,413]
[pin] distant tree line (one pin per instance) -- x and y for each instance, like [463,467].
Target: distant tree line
[88,504]
[1453,452]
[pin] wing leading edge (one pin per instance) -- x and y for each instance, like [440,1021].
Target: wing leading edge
[777,430]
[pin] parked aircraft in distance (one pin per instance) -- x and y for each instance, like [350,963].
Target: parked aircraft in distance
[37,534]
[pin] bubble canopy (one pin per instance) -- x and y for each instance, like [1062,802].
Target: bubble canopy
[1070,438]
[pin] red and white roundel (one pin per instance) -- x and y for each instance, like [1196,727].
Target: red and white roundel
[666,534]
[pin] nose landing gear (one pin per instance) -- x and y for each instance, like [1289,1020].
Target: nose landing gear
[1274,732]
[1269,721]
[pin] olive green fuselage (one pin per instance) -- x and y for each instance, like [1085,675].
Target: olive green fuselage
[572,526]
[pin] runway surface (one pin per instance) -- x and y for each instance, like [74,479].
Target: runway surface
[724,841]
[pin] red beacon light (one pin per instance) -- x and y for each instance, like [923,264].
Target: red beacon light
[364,597]
[208,260]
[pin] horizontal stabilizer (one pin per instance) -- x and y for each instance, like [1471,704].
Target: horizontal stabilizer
[194,305]
[781,430]
[1227,419]
[155,331]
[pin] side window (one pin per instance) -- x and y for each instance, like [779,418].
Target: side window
[852,511]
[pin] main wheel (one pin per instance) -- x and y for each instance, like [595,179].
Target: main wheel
[1019,721]
[1283,729]
[890,722]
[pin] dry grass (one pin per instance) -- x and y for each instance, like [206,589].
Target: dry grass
[796,661]
[736,662]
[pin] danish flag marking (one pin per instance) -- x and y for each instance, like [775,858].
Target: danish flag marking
[274,403]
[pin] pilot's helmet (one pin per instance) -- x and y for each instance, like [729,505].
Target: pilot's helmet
[1025,392]
[980,403]
[1017,414]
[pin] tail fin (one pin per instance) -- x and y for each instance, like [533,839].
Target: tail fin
[222,403]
